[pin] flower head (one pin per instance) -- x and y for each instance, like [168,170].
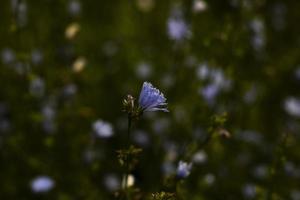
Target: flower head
[184,169]
[42,184]
[102,129]
[151,99]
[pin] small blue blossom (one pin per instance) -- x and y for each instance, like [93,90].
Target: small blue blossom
[103,129]
[184,169]
[42,184]
[292,106]
[151,99]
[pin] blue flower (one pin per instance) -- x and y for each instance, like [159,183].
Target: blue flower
[151,99]
[42,184]
[184,169]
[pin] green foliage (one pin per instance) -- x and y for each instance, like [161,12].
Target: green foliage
[231,77]
[129,155]
[163,196]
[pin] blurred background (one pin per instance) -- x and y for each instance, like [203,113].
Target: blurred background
[66,65]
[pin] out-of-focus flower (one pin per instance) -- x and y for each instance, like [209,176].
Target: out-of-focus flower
[111,182]
[178,29]
[249,190]
[151,99]
[36,56]
[292,106]
[184,169]
[217,76]
[69,90]
[258,38]
[37,87]
[260,171]
[8,56]
[42,184]
[49,113]
[203,71]
[200,157]
[143,70]
[22,12]
[289,168]
[79,64]
[74,7]
[297,73]
[72,30]
[103,129]
[209,92]
[295,194]
[199,6]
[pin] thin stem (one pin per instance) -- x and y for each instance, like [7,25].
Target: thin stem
[128,130]
[127,159]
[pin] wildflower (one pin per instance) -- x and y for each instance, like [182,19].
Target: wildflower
[292,106]
[249,190]
[103,129]
[151,99]
[37,87]
[184,169]
[200,157]
[111,182]
[36,56]
[178,29]
[8,56]
[143,70]
[42,184]
[210,92]
[74,7]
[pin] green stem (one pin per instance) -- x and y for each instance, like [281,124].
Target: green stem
[128,130]
[127,159]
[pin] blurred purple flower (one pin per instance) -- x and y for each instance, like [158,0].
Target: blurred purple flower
[42,184]
[8,56]
[111,182]
[74,7]
[151,99]
[209,92]
[292,106]
[178,29]
[103,129]
[249,190]
[184,169]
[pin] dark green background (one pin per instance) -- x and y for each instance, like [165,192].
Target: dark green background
[114,38]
